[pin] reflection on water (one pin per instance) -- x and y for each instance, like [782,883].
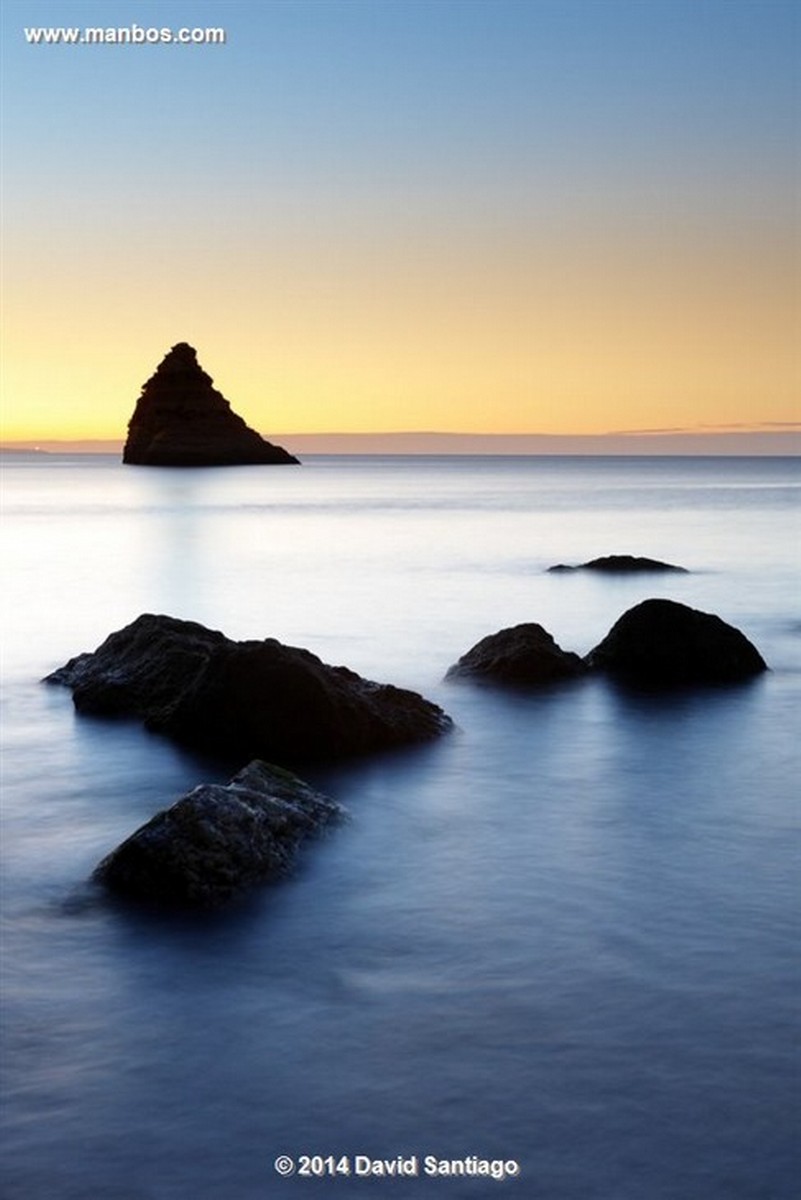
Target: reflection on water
[564,934]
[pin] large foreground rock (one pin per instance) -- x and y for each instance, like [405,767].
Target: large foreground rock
[522,655]
[664,642]
[180,420]
[621,564]
[253,699]
[218,841]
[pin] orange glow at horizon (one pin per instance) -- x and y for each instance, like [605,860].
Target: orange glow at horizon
[480,216]
[593,330]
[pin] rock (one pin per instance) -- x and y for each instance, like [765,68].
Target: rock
[524,654]
[141,670]
[621,564]
[180,420]
[663,642]
[253,699]
[218,841]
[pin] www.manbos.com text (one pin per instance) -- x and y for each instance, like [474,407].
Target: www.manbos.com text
[132,35]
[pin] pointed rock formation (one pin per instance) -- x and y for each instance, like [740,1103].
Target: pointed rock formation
[180,420]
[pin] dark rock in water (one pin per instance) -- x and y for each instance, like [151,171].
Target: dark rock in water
[218,841]
[180,420]
[522,655]
[662,642]
[254,699]
[143,669]
[621,564]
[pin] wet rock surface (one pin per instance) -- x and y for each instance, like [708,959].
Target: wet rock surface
[252,699]
[662,642]
[181,420]
[523,655]
[218,841]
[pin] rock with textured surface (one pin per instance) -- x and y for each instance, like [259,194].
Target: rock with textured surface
[253,699]
[181,420]
[218,841]
[621,564]
[662,642]
[522,655]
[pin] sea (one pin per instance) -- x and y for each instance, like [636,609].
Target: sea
[553,954]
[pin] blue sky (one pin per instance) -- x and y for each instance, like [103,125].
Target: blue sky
[378,161]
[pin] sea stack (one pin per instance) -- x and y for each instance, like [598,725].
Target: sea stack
[181,420]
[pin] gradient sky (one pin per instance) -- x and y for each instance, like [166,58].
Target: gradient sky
[481,215]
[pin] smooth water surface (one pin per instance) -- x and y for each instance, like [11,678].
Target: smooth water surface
[566,934]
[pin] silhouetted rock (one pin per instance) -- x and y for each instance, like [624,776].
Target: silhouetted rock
[522,655]
[180,420]
[663,642]
[253,699]
[218,841]
[621,564]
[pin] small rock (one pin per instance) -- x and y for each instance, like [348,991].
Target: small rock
[663,642]
[620,564]
[523,655]
[218,841]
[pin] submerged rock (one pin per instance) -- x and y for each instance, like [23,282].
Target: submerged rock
[218,841]
[180,420]
[253,699]
[664,642]
[621,564]
[524,654]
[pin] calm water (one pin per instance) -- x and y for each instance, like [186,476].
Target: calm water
[565,935]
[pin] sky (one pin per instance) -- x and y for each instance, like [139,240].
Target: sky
[487,216]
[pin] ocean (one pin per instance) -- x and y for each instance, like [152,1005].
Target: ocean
[563,938]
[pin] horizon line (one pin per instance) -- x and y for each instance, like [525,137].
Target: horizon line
[773,440]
